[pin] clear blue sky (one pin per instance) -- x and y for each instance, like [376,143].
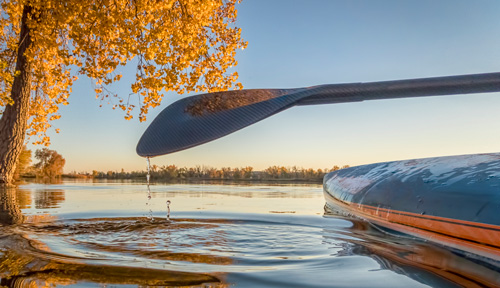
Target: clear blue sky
[296,43]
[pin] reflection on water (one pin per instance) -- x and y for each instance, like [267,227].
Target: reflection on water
[245,236]
[26,265]
[420,260]
[13,200]
[23,198]
[10,212]
[49,198]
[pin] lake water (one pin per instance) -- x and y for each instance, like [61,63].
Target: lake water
[99,234]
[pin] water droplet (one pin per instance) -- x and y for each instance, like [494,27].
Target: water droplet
[150,216]
[148,166]
[168,209]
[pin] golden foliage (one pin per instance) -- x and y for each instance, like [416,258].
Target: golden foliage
[50,163]
[23,162]
[177,45]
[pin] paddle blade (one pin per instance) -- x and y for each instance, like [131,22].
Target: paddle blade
[199,119]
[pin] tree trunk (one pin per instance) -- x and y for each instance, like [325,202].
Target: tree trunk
[14,121]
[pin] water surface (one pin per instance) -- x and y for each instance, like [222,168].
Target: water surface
[99,234]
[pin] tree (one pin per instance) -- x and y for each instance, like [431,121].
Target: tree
[236,173]
[247,172]
[50,163]
[177,45]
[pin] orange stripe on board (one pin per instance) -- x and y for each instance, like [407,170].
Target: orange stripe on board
[447,226]
[437,218]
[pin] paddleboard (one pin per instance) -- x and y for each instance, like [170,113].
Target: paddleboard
[453,201]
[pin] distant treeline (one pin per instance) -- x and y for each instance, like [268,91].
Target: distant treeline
[173,173]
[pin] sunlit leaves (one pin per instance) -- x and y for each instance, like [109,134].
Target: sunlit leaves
[50,163]
[177,45]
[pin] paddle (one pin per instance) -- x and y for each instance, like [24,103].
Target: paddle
[198,119]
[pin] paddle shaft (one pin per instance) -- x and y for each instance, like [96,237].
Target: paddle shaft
[449,85]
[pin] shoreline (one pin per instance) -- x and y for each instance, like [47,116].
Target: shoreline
[187,180]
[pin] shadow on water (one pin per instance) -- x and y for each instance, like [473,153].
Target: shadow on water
[277,250]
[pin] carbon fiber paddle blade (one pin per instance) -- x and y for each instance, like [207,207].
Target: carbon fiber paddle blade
[202,118]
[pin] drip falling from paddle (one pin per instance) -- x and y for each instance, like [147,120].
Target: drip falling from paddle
[148,204]
[168,210]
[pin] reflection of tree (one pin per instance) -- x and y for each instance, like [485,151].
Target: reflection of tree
[13,200]
[23,198]
[55,274]
[49,198]
[29,263]
[10,212]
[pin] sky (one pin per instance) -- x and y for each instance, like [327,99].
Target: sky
[300,43]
